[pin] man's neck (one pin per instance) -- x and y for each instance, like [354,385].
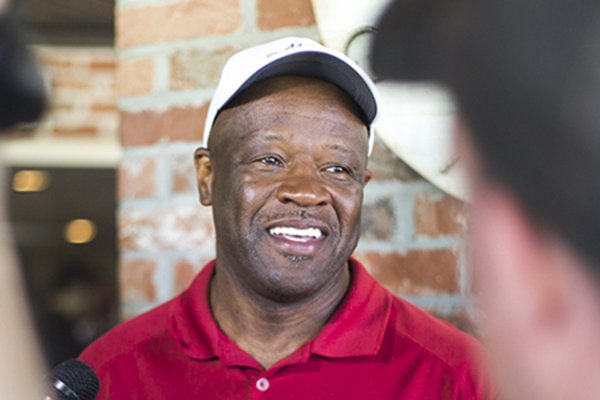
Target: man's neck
[266,329]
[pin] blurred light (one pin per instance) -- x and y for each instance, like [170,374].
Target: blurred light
[80,231]
[30,181]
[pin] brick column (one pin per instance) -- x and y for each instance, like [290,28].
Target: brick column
[170,57]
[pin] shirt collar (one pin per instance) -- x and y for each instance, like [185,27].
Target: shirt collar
[358,325]
[355,329]
[192,322]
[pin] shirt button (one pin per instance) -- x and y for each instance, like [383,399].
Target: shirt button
[263,384]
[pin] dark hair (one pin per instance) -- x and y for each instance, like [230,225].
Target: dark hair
[22,93]
[526,76]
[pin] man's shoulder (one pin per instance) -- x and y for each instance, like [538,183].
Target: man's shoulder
[440,344]
[429,332]
[130,337]
[417,329]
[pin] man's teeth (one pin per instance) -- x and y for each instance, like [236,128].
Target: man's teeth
[295,233]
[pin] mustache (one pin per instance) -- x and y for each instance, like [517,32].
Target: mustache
[294,212]
[304,214]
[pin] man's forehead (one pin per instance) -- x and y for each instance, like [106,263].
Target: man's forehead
[274,102]
[297,86]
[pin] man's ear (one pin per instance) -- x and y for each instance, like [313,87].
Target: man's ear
[367,177]
[204,175]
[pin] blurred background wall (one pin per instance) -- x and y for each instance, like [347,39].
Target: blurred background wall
[130,84]
[62,176]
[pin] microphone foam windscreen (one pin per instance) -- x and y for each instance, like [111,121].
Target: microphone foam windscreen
[79,377]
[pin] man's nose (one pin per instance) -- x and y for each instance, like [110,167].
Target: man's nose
[304,187]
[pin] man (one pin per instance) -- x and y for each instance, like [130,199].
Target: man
[526,77]
[284,312]
[22,99]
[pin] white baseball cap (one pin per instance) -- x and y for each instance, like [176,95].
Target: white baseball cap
[294,56]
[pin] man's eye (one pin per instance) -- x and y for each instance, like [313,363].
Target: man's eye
[270,160]
[337,169]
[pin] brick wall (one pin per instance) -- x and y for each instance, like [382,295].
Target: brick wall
[82,92]
[411,238]
[170,55]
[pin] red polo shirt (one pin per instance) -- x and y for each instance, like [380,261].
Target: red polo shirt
[375,346]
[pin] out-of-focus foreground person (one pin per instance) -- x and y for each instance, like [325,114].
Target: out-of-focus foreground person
[526,77]
[21,100]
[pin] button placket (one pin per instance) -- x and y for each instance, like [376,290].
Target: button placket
[263,384]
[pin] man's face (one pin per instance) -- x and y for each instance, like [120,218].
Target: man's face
[288,165]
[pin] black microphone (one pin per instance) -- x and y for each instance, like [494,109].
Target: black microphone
[72,380]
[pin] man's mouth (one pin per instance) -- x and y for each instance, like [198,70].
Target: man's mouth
[300,235]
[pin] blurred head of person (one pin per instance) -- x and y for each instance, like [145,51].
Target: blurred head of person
[22,99]
[22,93]
[526,77]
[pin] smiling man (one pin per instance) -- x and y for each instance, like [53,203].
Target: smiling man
[284,312]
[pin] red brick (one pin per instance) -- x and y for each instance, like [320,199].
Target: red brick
[76,69]
[150,127]
[183,173]
[136,177]
[82,97]
[135,77]
[273,14]
[198,68]
[185,124]
[60,58]
[186,271]
[438,215]
[175,228]
[104,108]
[378,221]
[75,130]
[176,21]
[100,59]
[103,65]
[49,59]
[63,105]
[71,83]
[139,129]
[418,272]
[136,280]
